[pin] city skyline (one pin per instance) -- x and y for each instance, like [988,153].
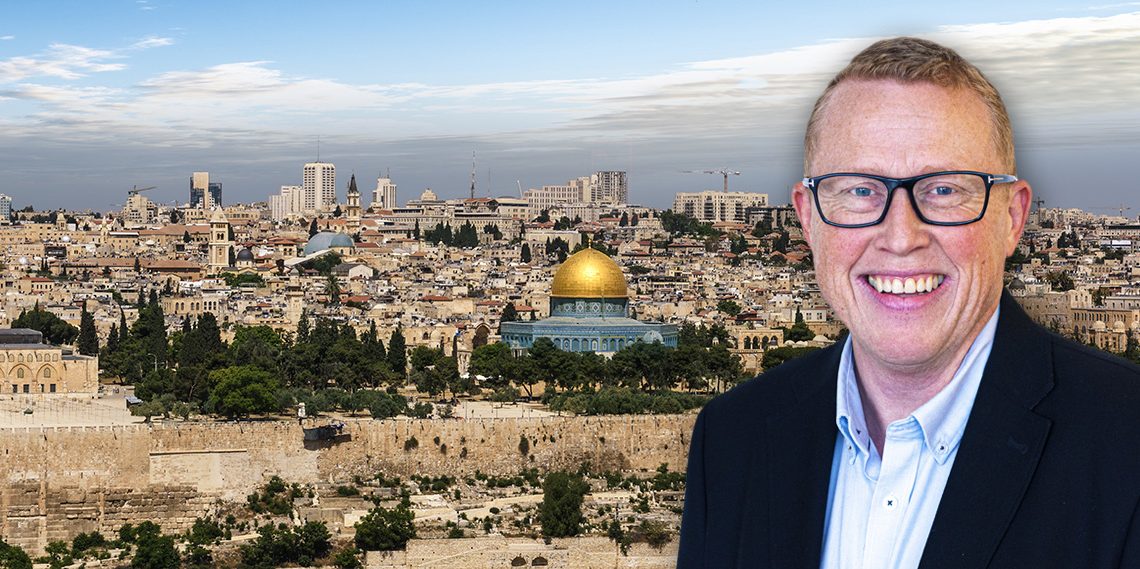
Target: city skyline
[542,94]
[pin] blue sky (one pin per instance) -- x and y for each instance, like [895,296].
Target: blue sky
[98,96]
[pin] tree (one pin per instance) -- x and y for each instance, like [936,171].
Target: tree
[525,255]
[1098,295]
[728,307]
[776,356]
[243,390]
[397,352]
[561,509]
[55,330]
[313,230]
[155,551]
[284,546]
[510,314]
[88,341]
[384,529]
[12,557]
[495,362]
[1132,347]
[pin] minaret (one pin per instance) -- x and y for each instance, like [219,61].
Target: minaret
[220,243]
[352,211]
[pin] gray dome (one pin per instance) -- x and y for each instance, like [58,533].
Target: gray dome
[327,240]
[245,255]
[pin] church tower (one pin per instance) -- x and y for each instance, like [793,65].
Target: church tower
[352,212]
[220,243]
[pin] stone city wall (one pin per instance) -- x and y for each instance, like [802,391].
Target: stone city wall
[58,482]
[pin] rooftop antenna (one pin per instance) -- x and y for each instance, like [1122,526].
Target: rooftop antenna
[318,148]
[519,184]
[472,174]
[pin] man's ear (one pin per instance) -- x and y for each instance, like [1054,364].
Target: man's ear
[1020,199]
[805,208]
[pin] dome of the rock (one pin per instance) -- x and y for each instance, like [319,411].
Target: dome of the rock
[589,273]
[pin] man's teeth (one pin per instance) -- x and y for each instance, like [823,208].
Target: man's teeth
[908,285]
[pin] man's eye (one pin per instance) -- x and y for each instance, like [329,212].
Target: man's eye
[943,191]
[862,192]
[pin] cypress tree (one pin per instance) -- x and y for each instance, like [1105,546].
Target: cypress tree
[397,352]
[88,341]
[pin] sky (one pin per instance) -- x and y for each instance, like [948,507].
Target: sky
[96,97]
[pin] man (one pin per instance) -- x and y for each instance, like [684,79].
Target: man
[948,430]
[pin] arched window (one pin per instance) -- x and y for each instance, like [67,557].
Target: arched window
[47,372]
[574,345]
[747,343]
[20,373]
[518,562]
[539,562]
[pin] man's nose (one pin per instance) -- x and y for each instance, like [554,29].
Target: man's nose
[902,230]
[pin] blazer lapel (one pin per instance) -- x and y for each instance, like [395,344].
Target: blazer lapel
[1000,448]
[795,476]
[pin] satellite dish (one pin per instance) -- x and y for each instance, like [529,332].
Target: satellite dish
[66,239]
[23,260]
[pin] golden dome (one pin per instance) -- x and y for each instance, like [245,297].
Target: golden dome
[589,273]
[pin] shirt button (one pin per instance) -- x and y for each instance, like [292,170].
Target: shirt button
[890,502]
[941,448]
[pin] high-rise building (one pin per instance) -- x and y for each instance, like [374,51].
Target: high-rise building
[199,189]
[318,187]
[609,187]
[215,194]
[384,196]
[286,204]
[715,205]
[5,209]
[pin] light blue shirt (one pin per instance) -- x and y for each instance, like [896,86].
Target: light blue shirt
[880,511]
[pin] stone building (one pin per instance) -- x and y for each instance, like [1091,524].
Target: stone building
[29,367]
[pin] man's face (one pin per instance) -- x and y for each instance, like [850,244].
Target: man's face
[896,130]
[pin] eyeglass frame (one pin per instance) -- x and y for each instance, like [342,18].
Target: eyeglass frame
[812,182]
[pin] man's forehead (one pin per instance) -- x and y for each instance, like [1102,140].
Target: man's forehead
[883,126]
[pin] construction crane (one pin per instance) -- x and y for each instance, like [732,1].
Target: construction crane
[1038,202]
[134,191]
[1119,208]
[723,172]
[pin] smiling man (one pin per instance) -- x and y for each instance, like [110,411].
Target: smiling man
[948,430]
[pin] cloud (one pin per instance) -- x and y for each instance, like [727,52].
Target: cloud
[1049,70]
[7,38]
[151,42]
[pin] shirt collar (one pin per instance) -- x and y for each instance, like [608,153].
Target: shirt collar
[942,418]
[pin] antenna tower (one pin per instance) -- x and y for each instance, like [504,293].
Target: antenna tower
[472,174]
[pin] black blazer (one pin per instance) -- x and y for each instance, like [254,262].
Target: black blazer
[1047,474]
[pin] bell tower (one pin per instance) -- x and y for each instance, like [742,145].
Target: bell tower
[220,243]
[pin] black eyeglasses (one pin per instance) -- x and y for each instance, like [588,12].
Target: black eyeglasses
[956,197]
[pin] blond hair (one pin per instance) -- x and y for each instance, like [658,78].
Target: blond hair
[913,60]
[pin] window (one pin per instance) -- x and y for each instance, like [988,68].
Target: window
[53,388]
[20,373]
[47,372]
[26,390]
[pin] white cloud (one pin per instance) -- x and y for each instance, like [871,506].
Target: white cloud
[7,38]
[152,41]
[1046,68]
[62,61]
